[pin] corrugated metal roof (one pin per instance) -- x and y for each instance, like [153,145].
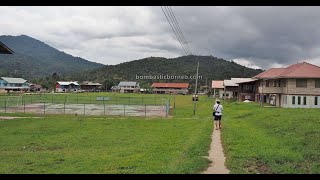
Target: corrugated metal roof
[300,70]
[129,83]
[236,81]
[89,83]
[270,73]
[246,81]
[65,83]
[14,80]
[170,85]
[230,83]
[217,84]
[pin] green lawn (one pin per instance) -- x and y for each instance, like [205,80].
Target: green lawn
[255,140]
[83,144]
[271,140]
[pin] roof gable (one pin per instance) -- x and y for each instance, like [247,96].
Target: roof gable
[217,84]
[66,83]
[300,70]
[14,80]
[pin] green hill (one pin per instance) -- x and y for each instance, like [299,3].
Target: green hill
[33,58]
[210,68]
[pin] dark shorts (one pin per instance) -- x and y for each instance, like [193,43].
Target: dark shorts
[217,118]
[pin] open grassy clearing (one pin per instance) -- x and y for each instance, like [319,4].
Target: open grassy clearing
[271,140]
[98,144]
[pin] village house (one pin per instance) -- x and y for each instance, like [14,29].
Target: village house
[128,87]
[67,86]
[8,84]
[232,88]
[247,89]
[296,86]
[218,88]
[170,88]
[90,86]
[37,88]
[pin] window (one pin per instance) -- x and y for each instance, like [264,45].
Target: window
[284,83]
[299,100]
[267,83]
[274,83]
[278,83]
[247,87]
[293,100]
[302,83]
[304,100]
[316,100]
[317,83]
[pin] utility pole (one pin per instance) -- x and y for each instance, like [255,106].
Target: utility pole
[206,85]
[195,91]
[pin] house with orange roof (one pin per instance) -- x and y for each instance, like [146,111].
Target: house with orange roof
[297,86]
[170,88]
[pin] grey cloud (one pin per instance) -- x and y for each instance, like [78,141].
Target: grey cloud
[265,36]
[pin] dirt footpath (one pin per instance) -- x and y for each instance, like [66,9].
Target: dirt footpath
[216,155]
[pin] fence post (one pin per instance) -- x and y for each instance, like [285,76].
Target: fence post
[5,106]
[24,106]
[84,109]
[104,106]
[145,110]
[64,107]
[124,109]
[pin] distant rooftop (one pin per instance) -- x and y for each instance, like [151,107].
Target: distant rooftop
[300,70]
[236,81]
[217,84]
[129,83]
[68,83]
[170,85]
[14,80]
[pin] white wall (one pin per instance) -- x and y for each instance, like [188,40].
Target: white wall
[310,101]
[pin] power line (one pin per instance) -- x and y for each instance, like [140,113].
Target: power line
[176,27]
[166,13]
[182,40]
[179,29]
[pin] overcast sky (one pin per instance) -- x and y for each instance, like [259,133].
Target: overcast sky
[258,37]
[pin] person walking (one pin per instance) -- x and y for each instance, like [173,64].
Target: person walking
[217,109]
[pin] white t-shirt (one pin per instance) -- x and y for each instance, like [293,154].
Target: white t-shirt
[218,108]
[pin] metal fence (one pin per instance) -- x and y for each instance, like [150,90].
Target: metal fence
[86,105]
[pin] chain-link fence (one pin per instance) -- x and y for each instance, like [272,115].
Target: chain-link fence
[86,105]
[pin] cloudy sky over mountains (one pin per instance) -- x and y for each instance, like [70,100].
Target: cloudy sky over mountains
[258,37]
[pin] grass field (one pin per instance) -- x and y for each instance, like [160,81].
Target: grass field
[255,140]
[98,144]
[271,140]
